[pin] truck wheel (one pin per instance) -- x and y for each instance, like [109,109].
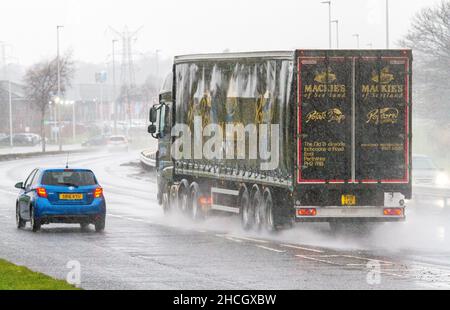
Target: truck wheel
[270,216]
[258,209]
[183,196]
[196,210]
[165,199]
[247,216]
[173,198]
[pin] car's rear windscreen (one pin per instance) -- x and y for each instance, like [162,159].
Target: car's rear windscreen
[69,178]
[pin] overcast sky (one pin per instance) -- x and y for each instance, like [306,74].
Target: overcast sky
[187,26]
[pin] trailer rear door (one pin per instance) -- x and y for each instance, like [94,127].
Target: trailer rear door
[353,117]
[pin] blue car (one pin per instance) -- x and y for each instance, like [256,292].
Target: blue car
[70,196]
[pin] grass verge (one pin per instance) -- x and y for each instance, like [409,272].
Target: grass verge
[14,277]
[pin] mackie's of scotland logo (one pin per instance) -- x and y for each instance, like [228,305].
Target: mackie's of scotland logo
[326,77]
[325,85]
[383,116]
[381,86]
[330,116]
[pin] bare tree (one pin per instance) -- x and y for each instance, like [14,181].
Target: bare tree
[41,85]
[429,38]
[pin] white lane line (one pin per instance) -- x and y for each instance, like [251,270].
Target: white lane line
[270,249]
[130,219]
[319,260]
[301,248]
[232,239]
[229,238]
[247,239]
[358,258]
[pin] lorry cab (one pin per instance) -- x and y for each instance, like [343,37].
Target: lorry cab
[161,119]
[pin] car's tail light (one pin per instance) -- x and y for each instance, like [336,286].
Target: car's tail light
[41,192]
[393,212]
[98,193]
[307,212]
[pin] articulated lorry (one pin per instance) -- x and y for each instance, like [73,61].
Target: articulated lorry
[284,137]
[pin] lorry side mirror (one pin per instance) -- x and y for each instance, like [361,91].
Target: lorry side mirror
[153,115]
[152,129]
[19,185]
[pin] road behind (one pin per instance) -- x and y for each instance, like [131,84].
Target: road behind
[142,249]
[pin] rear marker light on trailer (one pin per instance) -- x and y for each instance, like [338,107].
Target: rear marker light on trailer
[98,193]
[41,192]
[393,212]
[307,212]
[205,200]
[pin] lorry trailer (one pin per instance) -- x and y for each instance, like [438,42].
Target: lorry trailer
[290,136]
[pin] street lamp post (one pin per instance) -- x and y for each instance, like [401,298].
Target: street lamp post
[329,21]
[74,124]
[114,84]
[59,85]
[11,142]
[337,32]
[387,24]
[356,35]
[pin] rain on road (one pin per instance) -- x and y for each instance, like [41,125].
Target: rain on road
[143,249]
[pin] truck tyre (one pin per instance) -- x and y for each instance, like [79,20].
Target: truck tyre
[173,198]
[197,212]
[165,199]
[184,197]
[271,218]
[247,216]
[257,208]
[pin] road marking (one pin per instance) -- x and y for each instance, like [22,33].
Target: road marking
[319,260]
[358,258]
[233,239]
[229,238]
[248,239]
[300,248]
[270,249]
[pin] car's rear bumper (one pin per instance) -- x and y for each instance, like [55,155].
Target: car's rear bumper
[70,219]
[44,209]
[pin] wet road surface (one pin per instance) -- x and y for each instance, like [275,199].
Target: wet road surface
[143,249]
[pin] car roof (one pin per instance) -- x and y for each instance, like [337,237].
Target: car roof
[64,169]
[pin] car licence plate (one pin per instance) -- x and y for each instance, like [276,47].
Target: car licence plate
[348,200]
[70,196]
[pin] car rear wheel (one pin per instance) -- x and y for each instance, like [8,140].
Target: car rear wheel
[19,221]
[100,224]
[35,222]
